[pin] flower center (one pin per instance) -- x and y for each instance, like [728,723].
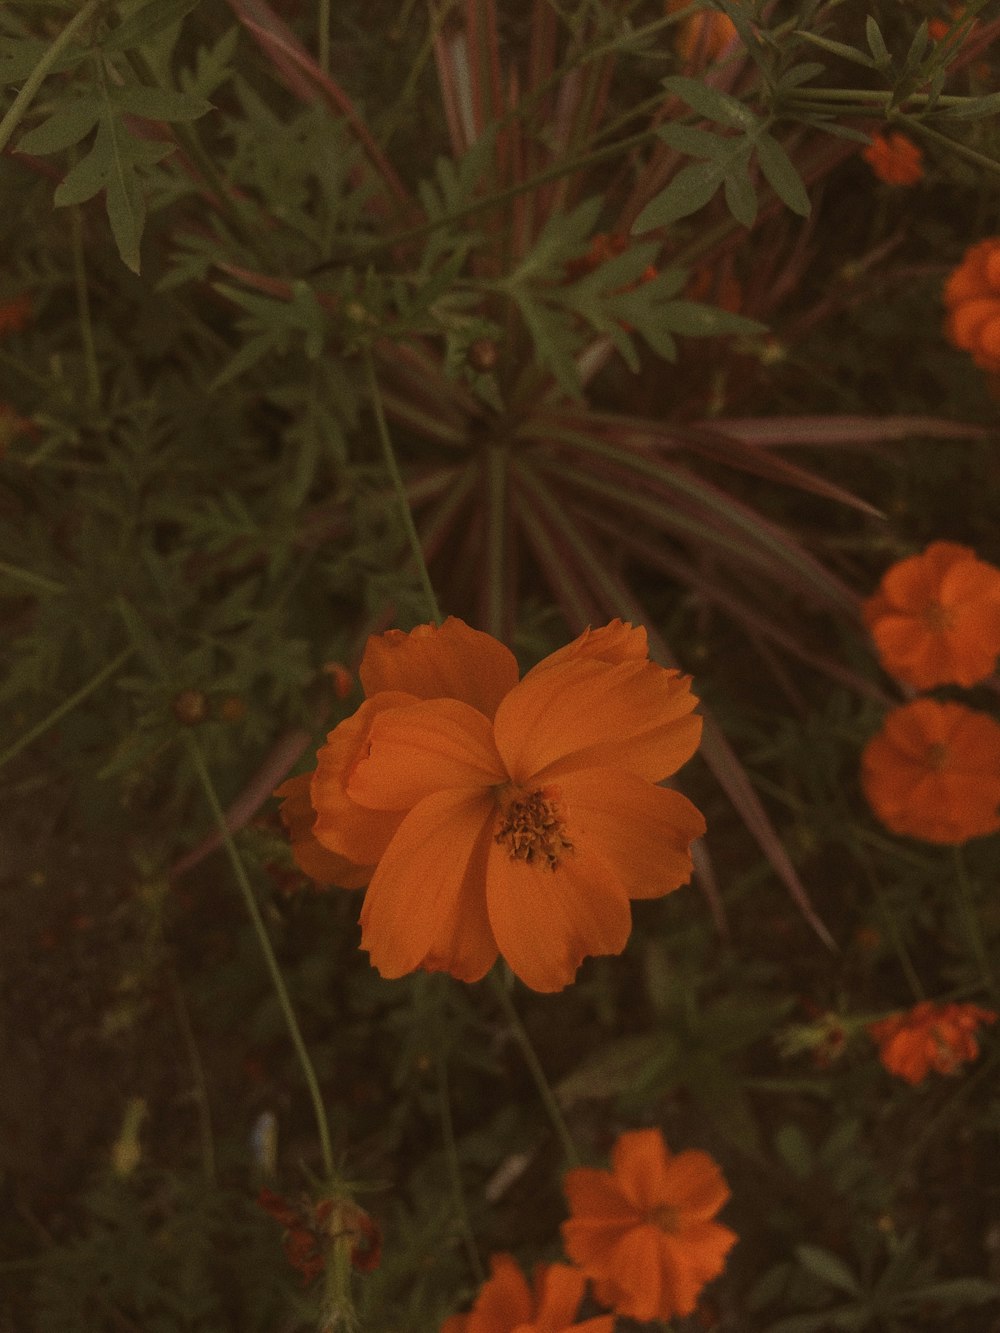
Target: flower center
[665,1217]
[938,617]
[531,826]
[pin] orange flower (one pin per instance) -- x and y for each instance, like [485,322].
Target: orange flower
[702,37]
[935,618]
[506,817]
[972,297]
[15,313]
[506,1303]
[930,1036]
[644,1231]
[894,159]
[933,772]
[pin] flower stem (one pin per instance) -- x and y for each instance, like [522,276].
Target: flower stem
[65,707]
[392,467]
[499,984]
[970,920]
[83,308]
[284,1000]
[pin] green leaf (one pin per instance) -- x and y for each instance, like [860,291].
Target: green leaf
[693,142]
[693,320]
[146,22]
[876,44]
[974,109]
[67,125]
[159,103]
[826,1266]
[20,55]
[113,165]
[957,1291]
[741,199]
[711,103]
[794,1149]
[691,189]
[780,174]
[845,52]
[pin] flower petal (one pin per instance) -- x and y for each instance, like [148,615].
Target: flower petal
[546,922]
[428,746]
[298,817]
[558,1293]
[644,832]
[695,1186]
[449,661]
[342,825]
[614,642]
[426,906]
[587,714]
[639,1160]
[504,1300]
[636,1273]
[694,1256]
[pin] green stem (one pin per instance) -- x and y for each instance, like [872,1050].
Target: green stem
[284,1000]
[535,1069]
[40,581]
[392,467]
[200,1083]
[83,308]
[65,707]
[323,23]
[953,146]
[889,921]
[19,107]
[967,910]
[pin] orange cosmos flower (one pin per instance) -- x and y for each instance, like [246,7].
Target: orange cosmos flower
[702,37]
[972,297]
[894,159]
[505,817]
[933,772]
[506,1303]
[930,1036]
[935,618]
[644,1231]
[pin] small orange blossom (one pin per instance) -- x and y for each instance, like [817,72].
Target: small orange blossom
[930,1036]
[933,772]
[496,816]
[506,1304]
[894,159]
[644,1230]
[935,619]
[972,298]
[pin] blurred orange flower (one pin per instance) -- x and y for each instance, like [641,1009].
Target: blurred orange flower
[894,159]
[930,1036]
[644,1230]
[935,618]
[972,298]
[704,36]
[506,1303]
[15,313]
[933,772]
[506,817]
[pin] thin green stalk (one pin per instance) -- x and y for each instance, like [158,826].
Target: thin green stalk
[83,307]
[454,1167]
[496,555]
[967,910]
[284,999]
[969,154]
[204,1109]
[65,707]
[323,43]
[392,467]
[535,1069]
[19,107]
[889,921]
[40,581]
